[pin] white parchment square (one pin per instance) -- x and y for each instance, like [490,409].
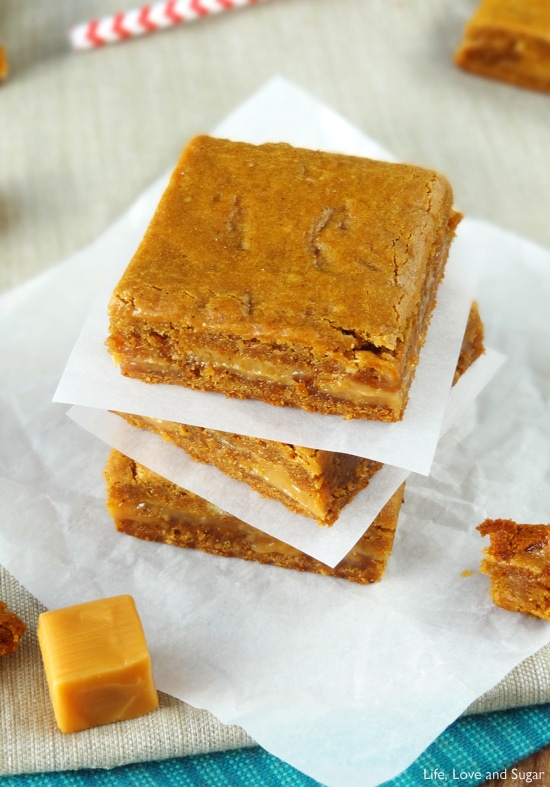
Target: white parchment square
[327,544]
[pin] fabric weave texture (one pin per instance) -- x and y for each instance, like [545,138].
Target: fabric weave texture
[486,743]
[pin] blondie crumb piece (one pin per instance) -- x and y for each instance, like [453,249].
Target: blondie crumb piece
[518,564]
[310,482]
[509,40]
[12,629]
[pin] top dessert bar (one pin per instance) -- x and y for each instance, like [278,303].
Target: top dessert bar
[292,276]
[509,40]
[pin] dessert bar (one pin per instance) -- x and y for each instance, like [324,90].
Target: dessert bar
[518,564]
[310,482]
[146,505]
[292,276]
[509,40]
[12,629]
[4,67]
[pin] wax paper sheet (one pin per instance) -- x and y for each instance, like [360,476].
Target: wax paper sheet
[347,683]
[328,544]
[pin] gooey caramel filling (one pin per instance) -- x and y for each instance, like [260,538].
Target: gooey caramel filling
[310,482]
[344,388]
[220,526]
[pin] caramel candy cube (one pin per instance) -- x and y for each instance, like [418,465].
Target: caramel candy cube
[97,663]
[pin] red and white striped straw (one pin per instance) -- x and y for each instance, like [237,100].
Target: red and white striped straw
[147,19]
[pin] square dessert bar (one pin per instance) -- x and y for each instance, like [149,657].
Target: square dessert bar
[147,506]
[292,276]
[310,482]
[509,40]
[518,564]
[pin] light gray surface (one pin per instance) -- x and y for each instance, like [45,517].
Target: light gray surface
[82,134]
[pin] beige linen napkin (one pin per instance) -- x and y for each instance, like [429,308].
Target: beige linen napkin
[29,738]
[31,742]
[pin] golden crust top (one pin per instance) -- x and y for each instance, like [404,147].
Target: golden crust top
[509,539]
[278,242]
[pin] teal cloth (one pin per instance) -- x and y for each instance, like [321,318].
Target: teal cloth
[489,743]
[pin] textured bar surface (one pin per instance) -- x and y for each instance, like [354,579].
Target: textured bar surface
[292,276]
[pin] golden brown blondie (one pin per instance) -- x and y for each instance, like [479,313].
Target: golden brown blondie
[308,481]
[509,40]
[292,276]
[147,506]
[12,629]
[518,564]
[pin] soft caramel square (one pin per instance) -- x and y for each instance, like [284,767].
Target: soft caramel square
[97,663]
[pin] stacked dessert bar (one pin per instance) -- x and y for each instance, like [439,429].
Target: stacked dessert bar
[298,278]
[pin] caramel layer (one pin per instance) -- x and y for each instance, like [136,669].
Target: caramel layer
[147,506]
[247,370]
[310,482]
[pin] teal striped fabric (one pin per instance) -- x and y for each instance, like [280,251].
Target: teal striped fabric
[487,744]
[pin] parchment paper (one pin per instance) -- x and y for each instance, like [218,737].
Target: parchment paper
[328,544]
[347,683]
[91,379]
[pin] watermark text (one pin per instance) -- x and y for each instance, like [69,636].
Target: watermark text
[465,775]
